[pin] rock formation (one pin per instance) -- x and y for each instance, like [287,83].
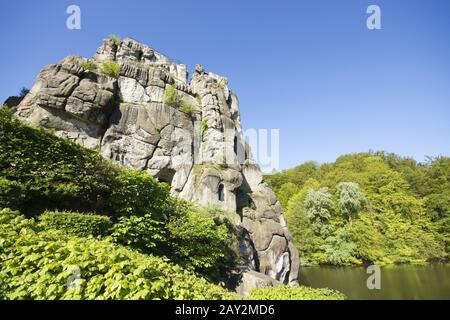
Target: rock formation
[188,134]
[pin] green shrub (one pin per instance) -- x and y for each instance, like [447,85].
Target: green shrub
[110,68]
[76,224]
[204,128]
[88,65]
[141,233]
[295,293]
[39,171]
[115,39]
[49,265]
[171,96]
[187,108]
[222,83]
[197,240]
[138,193]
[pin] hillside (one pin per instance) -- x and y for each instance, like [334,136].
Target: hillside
[368,207]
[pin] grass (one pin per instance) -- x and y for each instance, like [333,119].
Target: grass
[110,68]
[171,96]
[88,65]
[223,83]
[115,39]
[187,108]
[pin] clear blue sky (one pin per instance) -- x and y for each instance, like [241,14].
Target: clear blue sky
[310,68]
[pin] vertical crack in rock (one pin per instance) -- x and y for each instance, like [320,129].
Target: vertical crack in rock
[195,142]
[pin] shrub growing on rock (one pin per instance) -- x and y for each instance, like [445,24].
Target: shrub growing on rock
[110,68]
[171,96]
[115,39]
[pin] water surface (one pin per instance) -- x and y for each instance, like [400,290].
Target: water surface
[430,281]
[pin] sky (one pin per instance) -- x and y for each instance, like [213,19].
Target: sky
[311,69]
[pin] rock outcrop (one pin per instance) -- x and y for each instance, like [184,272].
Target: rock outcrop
[188,134]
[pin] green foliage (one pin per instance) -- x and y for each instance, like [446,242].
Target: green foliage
[171,97]
[88,65]
[319,208]
[310,245]
[284,292]
[138,193]
[379,208]
[351,200]
[110,69]
[50,265]
[197,239]
[204,128]
[187,108]
[340,248]
[141,233]
[39,171]
[286,191]
[76,224]
[222,83]
[115,39]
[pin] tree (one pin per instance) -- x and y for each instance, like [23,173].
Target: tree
[319,208]
[286,192]
[351,200]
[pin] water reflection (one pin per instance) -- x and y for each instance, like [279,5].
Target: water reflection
[397,282]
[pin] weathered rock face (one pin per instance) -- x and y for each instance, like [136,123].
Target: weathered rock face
[193,142]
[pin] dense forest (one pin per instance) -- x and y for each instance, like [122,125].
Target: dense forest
[75,226]
[373,207]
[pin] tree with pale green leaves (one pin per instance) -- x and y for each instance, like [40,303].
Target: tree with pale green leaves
[351,199]
[319,209]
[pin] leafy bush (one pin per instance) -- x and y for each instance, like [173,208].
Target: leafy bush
[197,240]
[88,65]
[222,83]
[141,233]
[110,68]
[171,96]
[39,171]
[76,224]
[138,193]
[51,265]
[295,293]
[115,39]
[187,108]
[341,248]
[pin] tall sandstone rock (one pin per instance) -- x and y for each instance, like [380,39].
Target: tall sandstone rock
[193,141]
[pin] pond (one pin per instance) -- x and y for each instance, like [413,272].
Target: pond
[431,281]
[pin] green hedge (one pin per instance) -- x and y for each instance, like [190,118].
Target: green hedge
[52,265]
[295,293]
[76,224]
[39,172]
